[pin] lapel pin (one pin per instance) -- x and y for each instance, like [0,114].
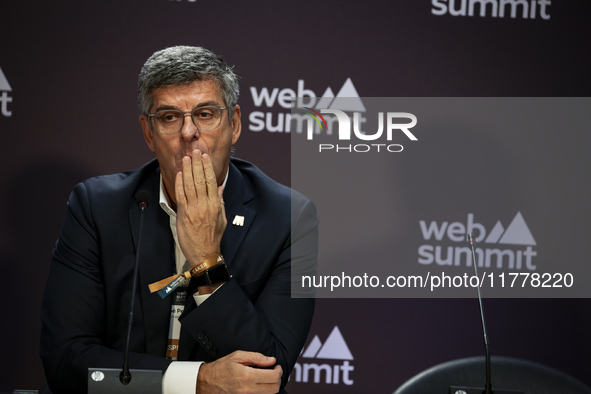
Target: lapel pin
[238,220]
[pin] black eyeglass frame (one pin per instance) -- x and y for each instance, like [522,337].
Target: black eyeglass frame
[152,116]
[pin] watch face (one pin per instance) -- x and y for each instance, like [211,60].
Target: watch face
[217,274]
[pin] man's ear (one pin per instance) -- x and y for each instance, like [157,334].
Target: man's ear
[236,124]
[147,132]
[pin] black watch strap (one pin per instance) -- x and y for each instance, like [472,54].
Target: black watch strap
[212,276]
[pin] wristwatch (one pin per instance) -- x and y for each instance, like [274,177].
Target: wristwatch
[219,273]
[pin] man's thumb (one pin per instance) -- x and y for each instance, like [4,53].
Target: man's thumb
[259,359]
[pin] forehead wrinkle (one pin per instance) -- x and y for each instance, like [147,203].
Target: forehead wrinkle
[199,105]
[195,88]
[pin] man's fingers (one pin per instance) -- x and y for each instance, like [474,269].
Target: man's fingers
[266,361]
[268,388]
[189,185]
[210,178]
[179,190]
[266,376]
[253,359]
[221,197]
[235,373]
[269,380]
[198,176]
[279,370]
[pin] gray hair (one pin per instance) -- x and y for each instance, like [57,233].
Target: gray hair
[181,65]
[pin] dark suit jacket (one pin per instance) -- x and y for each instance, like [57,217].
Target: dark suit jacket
[88,293]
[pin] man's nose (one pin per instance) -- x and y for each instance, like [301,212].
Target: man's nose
[189,131]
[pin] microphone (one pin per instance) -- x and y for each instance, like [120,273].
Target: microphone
[142,198]
[488,385]
[472,243]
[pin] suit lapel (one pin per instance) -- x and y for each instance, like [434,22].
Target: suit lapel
[155,263]
[236,195]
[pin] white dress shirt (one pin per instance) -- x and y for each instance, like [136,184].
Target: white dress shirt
[181,376]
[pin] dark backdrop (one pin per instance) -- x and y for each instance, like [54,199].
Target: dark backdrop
[72,66]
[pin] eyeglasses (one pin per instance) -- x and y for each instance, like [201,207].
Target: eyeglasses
[171,121]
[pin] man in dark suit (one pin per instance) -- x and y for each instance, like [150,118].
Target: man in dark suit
[246,326]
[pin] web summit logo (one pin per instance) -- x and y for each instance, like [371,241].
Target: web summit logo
[497,9]
[334,348]
[517,233]
[308,114]
[282,122]
[4,98]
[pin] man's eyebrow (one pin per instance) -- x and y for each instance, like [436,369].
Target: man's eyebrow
[207,103]
[202,104]
[163,107]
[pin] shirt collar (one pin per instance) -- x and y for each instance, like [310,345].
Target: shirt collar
[164,203]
